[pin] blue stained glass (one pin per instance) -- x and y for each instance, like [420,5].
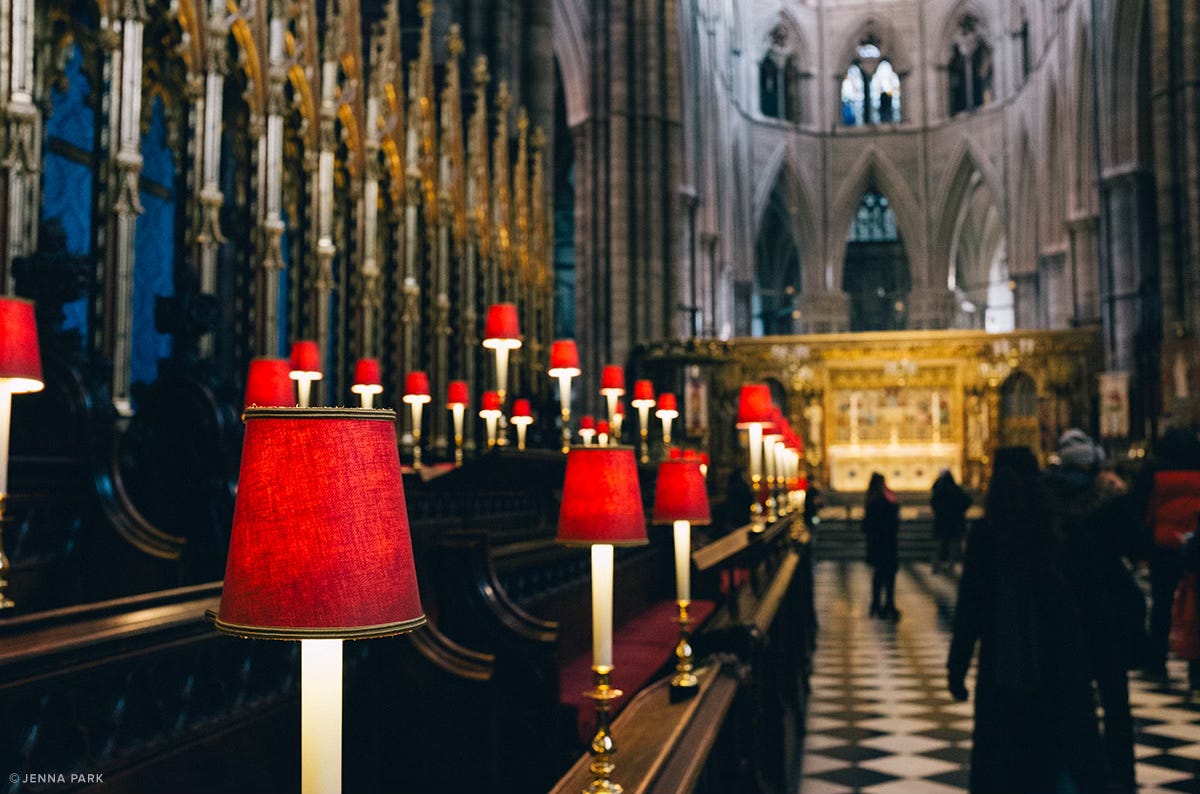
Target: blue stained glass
[154,247]
[66,182]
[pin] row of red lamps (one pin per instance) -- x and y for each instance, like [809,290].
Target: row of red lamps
[269,383]
[774,452]
[320,549]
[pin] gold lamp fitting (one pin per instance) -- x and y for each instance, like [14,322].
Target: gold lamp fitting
[685,681]
[758,520]
[603,746]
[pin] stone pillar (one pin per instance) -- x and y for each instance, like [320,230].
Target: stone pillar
[628,155]
[21,135]
[824,313]
[126,105]
[1085,270]
[267,342]
[930,308]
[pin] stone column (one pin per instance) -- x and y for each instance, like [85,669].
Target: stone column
[824,313]
[126,105]
[21,147]
[271,262]
[931,308]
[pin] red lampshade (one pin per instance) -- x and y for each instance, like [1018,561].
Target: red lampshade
[602,501]
[416,387]
[674,453]
[666,402]
[602,427]
[306,358]
[612,379]
[491,401]
[268,383]
[754,405]
[366,377]
[587,422]
[521,408]
[564,358]
[643,391]
[456,393]
[620,408]
[320,545]
[691,454]
[502,328]
[680,493]
[20,357]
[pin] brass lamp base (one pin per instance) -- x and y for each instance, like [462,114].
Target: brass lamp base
[684,683]
[758,518]
[603,745]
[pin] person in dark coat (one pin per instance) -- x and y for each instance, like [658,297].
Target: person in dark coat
[949,502]
[1035,721]
[1176,462]
[881,524]
[1100,533]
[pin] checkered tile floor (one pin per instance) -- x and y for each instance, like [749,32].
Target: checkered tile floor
[881,722]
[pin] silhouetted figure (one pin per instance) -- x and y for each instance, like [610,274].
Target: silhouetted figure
[881,524]
[1100,532]
[949,502]
[1035,721]
[814,500]
[1173,500]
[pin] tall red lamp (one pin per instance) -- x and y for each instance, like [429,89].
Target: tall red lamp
[20,373]
[602,508]
[668,410]
[457,398]
[681,499]
[522,418]
[320,552]
[643,401]
[612,386]
[754,412]
[564,365]
[306,367]
[490,413]
[502,333]
[416,394]
[367,382]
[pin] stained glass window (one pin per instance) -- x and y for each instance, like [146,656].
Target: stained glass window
[885,93]
[853,95]
[875,221]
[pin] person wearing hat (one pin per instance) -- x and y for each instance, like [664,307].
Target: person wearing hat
[1100,534]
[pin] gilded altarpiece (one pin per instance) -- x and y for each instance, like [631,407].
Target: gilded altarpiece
[907,404]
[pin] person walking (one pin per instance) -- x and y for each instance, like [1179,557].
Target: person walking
[1101,534]
[949,502]
[1035,723]
[1172,504]
[881,524]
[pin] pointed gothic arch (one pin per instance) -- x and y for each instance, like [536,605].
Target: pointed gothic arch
[970,164]
[783,176]
[1085,196]
[874,170]
[1129,139]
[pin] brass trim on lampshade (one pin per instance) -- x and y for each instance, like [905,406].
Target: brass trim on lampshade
[356,633]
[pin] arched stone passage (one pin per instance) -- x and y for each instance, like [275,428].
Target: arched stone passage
[777,266]
[875,271]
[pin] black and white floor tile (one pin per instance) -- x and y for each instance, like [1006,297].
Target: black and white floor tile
[880,720]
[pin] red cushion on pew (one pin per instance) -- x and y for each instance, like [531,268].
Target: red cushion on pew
[641,647]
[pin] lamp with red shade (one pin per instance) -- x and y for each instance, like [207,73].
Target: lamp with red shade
[681,499]
[489,412]
[20,373]
[587,429]
[564,365]
[668,410]
[643,401]
[602,508]
[772,435]
[502,333]
[416,394]
[367,382]
[522,417]
[618,419]
[268,383]
[306,368]
[612,386]
[457,399]
[603,436]
[754,412]
[320,552]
